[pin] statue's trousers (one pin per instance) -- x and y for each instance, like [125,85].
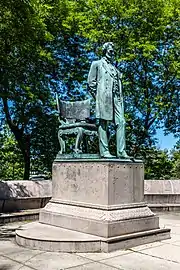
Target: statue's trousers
[120,129]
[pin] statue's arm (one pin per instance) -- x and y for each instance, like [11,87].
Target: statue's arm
[119,74]
[92,79]
[120,82]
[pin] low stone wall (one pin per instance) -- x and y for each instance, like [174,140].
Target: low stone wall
[162,194]
[21,195]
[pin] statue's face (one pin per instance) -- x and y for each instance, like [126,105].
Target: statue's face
[110,52]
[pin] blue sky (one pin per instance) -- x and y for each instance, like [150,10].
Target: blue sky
[165,141]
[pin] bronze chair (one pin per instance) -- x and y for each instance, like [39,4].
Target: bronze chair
[73,118]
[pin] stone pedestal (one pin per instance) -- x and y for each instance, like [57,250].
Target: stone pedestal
[95,206]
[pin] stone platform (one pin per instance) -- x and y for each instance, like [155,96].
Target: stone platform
[95,206]
[48,238]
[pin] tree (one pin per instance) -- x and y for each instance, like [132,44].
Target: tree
[27,66]
[176,161]
[47,47]
[11,159]
[45,146]
[38,59]
[162,164]
[73,66]
[158,164]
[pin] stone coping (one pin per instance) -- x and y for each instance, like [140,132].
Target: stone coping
[161,187]
[25,189]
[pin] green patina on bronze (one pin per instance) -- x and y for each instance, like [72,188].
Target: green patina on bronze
[104,82]
[73,118]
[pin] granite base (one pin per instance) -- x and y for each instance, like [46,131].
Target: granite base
[99,202]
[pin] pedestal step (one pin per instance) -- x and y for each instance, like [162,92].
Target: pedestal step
[120,220]
[50,238]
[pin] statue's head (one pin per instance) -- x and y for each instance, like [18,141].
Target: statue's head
[108,50]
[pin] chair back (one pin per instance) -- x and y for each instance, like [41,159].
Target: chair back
[77,110]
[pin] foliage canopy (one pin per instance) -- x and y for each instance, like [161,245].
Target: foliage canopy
[47,46]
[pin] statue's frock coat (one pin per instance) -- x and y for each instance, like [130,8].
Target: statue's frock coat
[100,82]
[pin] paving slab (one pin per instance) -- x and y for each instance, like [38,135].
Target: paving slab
[7,264]
[8,246]
[139,261]
[25,268]
[163,255]
[175,229]
[169,218]
[94,266]
[56,261]
[15,252]
[101,256]
[176,243]
[147,246]
[167,252]
[174,238]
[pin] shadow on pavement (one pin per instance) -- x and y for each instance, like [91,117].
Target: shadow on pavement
[5,267]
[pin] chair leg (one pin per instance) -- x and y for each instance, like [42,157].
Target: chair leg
[85,144]
[78,141]
[62,143]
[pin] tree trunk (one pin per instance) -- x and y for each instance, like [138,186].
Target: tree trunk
[22,139]
[26,155]
[26,167]
[24,145]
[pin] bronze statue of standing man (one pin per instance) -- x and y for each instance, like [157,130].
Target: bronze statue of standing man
[104,82]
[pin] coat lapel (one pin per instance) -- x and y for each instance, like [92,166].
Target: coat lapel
[106,66]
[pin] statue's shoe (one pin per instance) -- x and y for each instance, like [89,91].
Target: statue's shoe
[123,155]
[108,155]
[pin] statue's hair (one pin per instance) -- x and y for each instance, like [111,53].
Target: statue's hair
[106,45]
